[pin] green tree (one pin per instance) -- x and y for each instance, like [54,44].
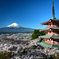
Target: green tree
[37,33]
[5,55]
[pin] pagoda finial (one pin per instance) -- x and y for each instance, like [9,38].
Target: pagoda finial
[53,10]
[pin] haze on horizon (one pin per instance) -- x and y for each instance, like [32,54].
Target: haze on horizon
[27,13]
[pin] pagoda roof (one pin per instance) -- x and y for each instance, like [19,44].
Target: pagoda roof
[45,23]
[50,36]
[55,19]
[48,45]
[57,28]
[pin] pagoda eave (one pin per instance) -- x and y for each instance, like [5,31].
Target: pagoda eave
[49,36]
[51,29]
[48,45]
[45,23]
[51,20]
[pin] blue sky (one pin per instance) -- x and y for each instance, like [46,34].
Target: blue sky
[27,13]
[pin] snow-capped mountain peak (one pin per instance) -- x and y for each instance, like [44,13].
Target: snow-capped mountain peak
[13,25]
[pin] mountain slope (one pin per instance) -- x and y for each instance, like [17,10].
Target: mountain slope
[15,28]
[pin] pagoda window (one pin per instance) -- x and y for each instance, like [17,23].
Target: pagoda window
[51,32]
[51,25]
[48,32]
[50,29]
[56,34]
[50,39]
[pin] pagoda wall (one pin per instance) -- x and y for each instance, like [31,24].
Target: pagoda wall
[52,41]
[52,33]
[53,24]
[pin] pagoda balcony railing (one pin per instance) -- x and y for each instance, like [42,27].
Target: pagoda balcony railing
[51,34]
[49,26]
[52,26]
[52,42]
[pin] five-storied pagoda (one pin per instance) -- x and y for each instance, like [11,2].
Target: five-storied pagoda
[52,36]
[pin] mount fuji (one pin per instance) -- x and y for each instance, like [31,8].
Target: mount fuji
[14,27]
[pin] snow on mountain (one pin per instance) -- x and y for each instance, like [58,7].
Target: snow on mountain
[13,25]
